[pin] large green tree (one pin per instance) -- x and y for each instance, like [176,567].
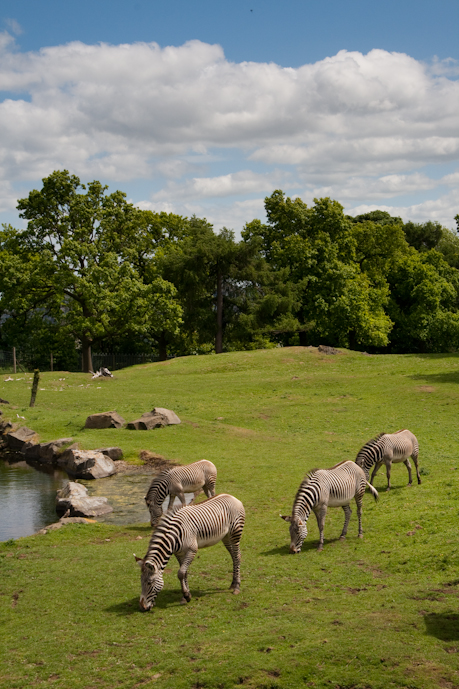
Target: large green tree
[317,246]
[77,258]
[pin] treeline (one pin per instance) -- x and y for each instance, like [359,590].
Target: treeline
[91,270]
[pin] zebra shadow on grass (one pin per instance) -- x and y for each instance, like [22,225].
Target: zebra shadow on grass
[442,625]
[306,547]
[165,600]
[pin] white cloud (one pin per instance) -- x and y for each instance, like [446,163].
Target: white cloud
[357,125]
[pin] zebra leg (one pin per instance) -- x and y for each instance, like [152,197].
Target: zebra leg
[234,550]
[347,515]
[171,502]
[185,560]
[378,465]
[414,457]
[195,495]
[320,516]
[388,466]
[358,502]
[407,463]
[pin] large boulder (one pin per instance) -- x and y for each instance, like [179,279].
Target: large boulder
[49,452]
[21,437]
[106,419]
[168,414]
[154,419]
[115,453]
[74,501]
[86,464]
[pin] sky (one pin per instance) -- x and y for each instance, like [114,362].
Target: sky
[207,107]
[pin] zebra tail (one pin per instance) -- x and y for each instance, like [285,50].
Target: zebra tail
[373,491]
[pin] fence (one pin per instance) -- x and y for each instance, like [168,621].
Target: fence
[14,362]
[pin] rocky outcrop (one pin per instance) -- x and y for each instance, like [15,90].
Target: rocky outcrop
[17,440]
[63,521]
[154,419]
[106,419]
[325,349]
[73,501]
[115,453]
[86,464]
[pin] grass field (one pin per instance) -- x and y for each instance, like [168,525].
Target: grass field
[372,613]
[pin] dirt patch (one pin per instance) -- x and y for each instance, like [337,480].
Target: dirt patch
[426,388]
[152,464]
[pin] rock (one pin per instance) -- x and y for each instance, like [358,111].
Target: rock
[171,416]
[115,453]
[5,426]
[31,451]
[325,349]
[154,419]
[86,464]
[147,422]
[49,452]
[17,439]
[73,500]
[106,419]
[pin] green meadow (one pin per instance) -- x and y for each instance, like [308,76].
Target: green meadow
[373,613]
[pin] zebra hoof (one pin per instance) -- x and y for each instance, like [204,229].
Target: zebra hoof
[360,535]
[236,592]
[342,538]
[184,600]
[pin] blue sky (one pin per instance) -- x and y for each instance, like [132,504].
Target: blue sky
[207,107]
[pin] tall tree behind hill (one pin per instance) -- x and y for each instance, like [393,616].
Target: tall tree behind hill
[77,252]
[317,247]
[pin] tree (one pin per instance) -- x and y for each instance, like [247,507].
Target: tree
[77,255]
[211,273]
[317,247]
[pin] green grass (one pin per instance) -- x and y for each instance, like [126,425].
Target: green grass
[381,612]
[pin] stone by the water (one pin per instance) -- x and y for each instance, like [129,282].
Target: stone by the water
[74,501]
[19,438]
[115,453]
[86,464]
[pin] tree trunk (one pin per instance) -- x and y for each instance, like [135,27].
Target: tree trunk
[219,335]
[36,378]
[87,357]
[162,346]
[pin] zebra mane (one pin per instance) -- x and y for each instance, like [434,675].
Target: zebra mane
[157,480]
[371,443]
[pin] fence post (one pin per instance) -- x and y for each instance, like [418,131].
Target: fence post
[14,359]
[52,369]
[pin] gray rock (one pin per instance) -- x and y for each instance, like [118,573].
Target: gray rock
[86,464]
[74,501]
[147,422]
[115,453]
[49,452]
[325,349]
[154,419]
[106,419]
[5,426]
[22,436]
[168,414]
[31,451]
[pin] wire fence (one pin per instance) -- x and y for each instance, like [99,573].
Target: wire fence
[12,361]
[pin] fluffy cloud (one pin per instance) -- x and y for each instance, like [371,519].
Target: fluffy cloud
[357,127]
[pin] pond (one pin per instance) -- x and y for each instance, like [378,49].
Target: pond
[28,497]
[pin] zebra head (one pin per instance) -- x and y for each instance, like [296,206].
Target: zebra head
[298,532]
[155,511]
[151,580]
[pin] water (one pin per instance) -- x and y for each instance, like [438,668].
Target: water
[27,498]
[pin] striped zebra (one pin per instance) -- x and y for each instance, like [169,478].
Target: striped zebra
[388,449]
[323,488]
[181,533]
[175,482]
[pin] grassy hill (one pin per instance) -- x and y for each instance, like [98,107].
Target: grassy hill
[382,612]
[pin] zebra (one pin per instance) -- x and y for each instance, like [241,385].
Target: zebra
[388,448]
[323,488]
[174,482]
[181,533]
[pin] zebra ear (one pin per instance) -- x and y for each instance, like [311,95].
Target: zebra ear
[138,560]
[286,517]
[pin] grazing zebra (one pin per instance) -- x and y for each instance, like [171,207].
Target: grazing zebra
[323,488]
[388,448]
[181,533]
[175,482]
